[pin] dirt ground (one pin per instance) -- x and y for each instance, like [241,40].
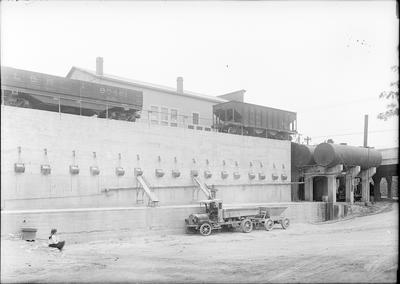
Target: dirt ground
[360,249]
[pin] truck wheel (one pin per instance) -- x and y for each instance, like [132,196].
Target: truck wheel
[269,224]
[205,229]
[246,225]
[285,223]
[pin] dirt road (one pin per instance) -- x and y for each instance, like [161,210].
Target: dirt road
[363,249]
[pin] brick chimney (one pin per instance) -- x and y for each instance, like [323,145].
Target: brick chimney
[99,66]
[179,85]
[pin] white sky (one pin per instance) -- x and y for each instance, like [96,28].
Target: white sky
[327,61]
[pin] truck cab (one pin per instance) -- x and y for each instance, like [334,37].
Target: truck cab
[212,215]
[214,209]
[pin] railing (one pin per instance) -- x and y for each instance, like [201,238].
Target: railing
[62,104]
[89,107]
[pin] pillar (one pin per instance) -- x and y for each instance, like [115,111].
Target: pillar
[350,189]
[365,176]
[295,186]
[389,186]
[377,187]
[331,179]
[350,175]
[308,188]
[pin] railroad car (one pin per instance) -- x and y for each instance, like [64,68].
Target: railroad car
[254,120]
[28,89]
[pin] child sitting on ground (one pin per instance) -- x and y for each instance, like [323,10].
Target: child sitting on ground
[53,240]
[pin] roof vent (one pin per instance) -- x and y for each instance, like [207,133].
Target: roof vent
[99,66]
[179,85]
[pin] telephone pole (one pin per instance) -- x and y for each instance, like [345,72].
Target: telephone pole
[366,130]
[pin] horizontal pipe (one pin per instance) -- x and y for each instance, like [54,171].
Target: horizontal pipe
[329,155]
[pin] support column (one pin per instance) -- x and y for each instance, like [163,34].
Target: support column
[330,173]
[350,186]
[308,188]
[365,176]
[389,186]
[331,188]
[377,187]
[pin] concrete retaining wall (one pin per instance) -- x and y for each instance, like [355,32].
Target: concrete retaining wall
[88,220]
[129,145]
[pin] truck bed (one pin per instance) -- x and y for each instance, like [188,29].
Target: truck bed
[239,212]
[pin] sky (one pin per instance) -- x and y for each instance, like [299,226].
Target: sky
[326,60]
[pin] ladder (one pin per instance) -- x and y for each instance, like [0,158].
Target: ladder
[201,185]
[153,201]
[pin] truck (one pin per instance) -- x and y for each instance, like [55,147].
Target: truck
[216,218]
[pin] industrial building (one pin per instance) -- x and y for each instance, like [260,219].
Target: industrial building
[98,152]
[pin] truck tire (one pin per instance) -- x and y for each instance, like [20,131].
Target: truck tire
[285,222]
[246,225]
[269,224]
[205,229]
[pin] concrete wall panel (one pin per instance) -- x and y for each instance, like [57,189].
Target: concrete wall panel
[131,219]
[155,146]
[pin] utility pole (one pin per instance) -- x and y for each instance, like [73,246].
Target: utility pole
[308,139]
[298,138]
[366,130]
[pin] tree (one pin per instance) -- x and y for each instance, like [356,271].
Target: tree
[392,109]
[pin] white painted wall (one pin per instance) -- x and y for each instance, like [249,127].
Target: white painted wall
[60,134]
[185,105]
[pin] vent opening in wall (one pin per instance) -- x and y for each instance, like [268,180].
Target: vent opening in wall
[252,175]
[160,173]
[19,167]
[45,169]
[119,171]
[94,171]
[207,174]
[138,172]
[176,173]
[74,169]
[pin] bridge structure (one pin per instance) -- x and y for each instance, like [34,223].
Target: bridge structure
[388,171]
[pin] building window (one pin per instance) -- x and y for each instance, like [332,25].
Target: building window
[154,117]
[195,118]
[164,116]
[174,117]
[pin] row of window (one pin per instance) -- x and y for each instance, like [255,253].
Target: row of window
[165,116]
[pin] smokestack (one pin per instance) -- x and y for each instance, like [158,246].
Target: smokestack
[99,66]
[179,85]
[366,130]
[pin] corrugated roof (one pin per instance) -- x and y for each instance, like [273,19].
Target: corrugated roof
[147,85]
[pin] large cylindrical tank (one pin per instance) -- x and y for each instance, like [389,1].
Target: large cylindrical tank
[302,155]
[329,155]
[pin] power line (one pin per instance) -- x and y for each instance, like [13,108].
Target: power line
[343,103]
[354,133]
